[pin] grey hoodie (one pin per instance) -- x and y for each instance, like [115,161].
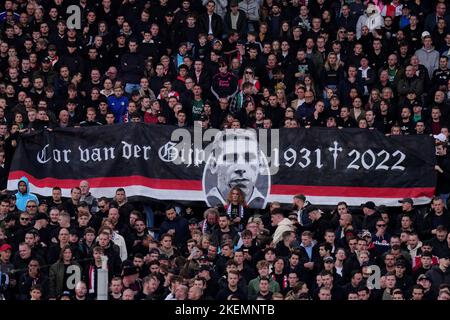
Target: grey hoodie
[429,58]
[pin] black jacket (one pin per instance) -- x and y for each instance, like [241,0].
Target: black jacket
[438,277]
[204,80]
[132,67]
[443,179]
[216,24]
[370,222]
[240,24]
[26,282]
[181,227]
[73,61]
[432,221]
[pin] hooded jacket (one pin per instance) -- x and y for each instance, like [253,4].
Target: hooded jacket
[23,198]
[429,58]
[283,225]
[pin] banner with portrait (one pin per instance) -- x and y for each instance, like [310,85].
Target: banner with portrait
[189,165]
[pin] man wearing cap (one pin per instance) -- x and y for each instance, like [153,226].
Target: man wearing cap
[402,279]
[410,211]
[224,83]
[427,55]
[319,224]
[425,282]
[130,278]
[72,59]
[371,216]
[46,72]
[5,258]
[40,225]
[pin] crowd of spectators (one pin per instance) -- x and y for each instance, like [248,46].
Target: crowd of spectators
[375,65]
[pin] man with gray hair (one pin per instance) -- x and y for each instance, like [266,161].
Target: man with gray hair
[87,197]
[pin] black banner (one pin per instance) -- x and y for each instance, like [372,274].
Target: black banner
[164,162]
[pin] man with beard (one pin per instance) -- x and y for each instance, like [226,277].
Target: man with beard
[224,228]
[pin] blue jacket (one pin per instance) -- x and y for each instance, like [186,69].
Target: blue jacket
[181,226]
[118,106]
[23,198]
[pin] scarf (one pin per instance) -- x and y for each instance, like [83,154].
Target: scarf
[229,208]
[205,227]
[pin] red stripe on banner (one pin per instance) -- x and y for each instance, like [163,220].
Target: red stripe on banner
[196,185]
[105,182]
[373,192]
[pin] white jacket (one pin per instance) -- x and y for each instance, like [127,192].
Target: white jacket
[283,226]
[120,242]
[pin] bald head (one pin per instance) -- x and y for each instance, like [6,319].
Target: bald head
[84,186]
[345,219]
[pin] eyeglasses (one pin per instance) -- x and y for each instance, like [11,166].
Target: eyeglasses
[381,225]
[248,72]
[31,206]
[101,207]
[25,219]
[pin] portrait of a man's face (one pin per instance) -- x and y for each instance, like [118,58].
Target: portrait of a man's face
[236,161]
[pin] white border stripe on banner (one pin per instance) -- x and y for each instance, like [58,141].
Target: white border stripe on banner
[190,195]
